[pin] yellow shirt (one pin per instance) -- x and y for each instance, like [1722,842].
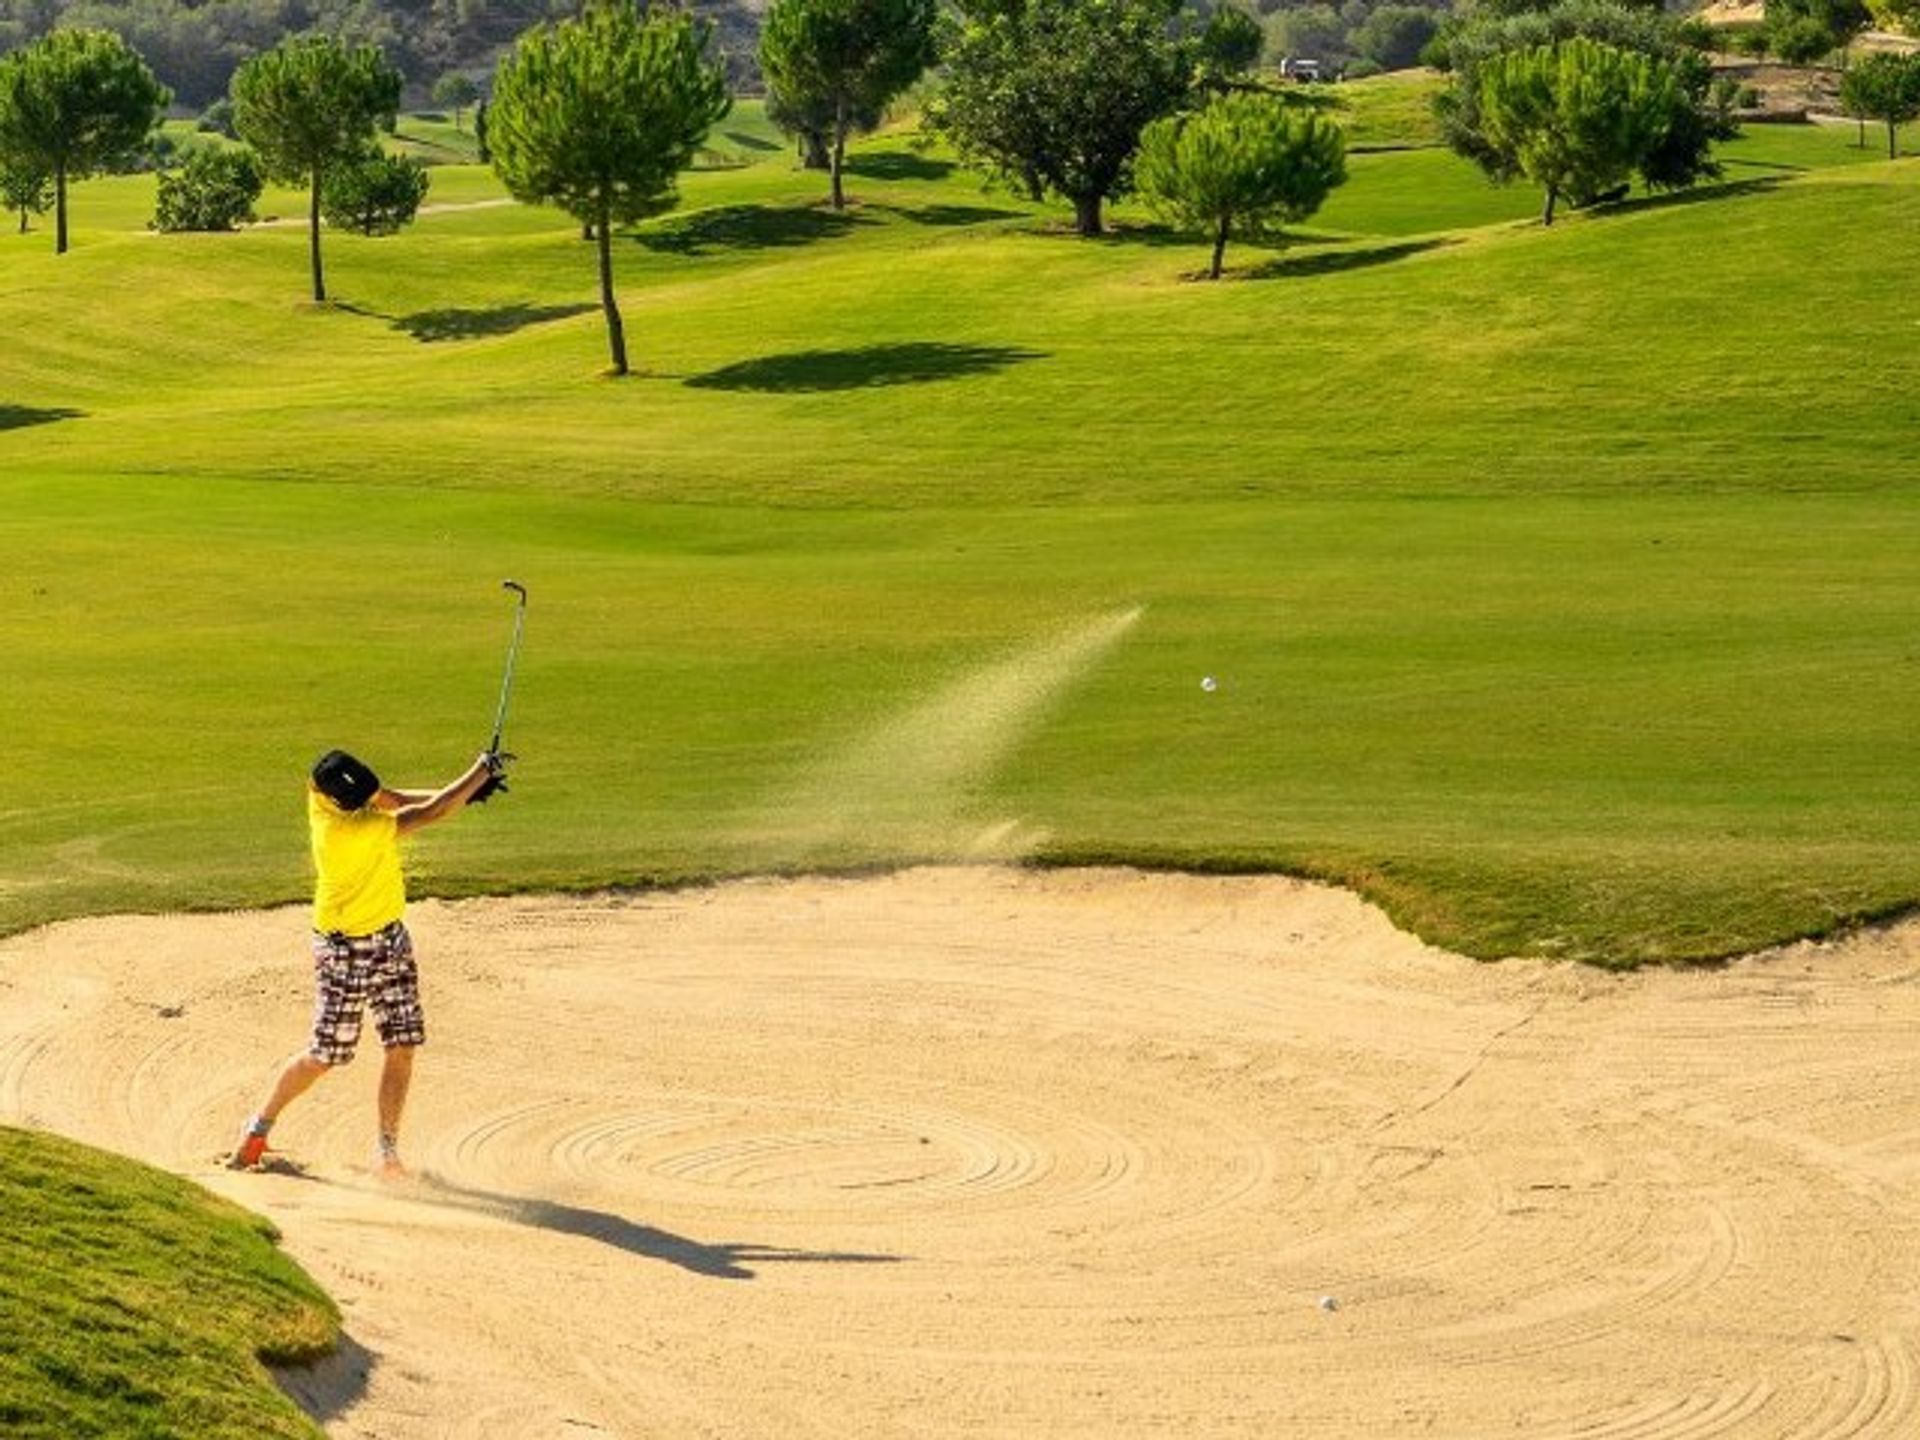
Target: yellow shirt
[357,854]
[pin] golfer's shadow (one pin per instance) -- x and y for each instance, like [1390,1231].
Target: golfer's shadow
[723,1262]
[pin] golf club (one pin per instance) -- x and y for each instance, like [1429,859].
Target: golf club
[513,652]
[497,780]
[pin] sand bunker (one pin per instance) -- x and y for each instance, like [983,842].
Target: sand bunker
[1018,1153]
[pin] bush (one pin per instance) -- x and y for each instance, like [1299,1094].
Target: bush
[214,190]
[374,195]
[1801,40]
[1696,34]
[1361,69]
[217,119]
[1751,42]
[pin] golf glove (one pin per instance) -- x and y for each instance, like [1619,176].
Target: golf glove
[496,778]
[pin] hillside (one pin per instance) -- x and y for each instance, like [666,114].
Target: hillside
[1498,540]
[194,47]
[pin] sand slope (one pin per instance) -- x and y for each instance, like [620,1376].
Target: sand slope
[1014,1153]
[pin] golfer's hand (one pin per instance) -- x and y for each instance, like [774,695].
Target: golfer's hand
[495,764]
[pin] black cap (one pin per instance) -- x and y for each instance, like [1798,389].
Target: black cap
[348,782]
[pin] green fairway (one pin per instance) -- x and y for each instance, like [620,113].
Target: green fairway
[1559,584]
[135,1304]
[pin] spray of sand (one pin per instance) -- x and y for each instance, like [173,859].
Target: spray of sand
[908,787]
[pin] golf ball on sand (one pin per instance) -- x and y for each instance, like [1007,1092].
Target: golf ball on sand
[1209,684]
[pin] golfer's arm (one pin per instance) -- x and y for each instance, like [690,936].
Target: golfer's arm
[394,801]
[442,803]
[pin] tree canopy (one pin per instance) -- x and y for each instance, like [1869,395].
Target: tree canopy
[1680,155]
[837,63]
[1579,117]
[375,194]
[71,104]
[1247,163]
[311,104]
[455,91]
[599,115]
[1053,94]
[1883,87]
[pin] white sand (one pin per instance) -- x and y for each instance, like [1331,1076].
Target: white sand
[991,1152]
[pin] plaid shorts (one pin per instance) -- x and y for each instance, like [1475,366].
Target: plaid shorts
[349,971]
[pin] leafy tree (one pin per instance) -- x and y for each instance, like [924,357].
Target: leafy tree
[599,115]
[1680,156]
[1054,93]
[455,91]
[1230,43]
[376,194]
[308,105]
[1394,35]
[25,190]
[1578,117]
[844,60]
[804,121]
[1310,32]
[810,124]
[1896,15]
[1801,31]
[1247,163]
[1800,40]
[480,145]
[73,103]
[215,190]
[217,119]
[1883,87]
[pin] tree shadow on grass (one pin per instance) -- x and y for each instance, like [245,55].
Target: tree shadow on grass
[729,1261]
[950,216]
[1780,165]
[869,366]
[431,327]
[748,142]
[20,417]
[746,227]
[1333,262]
[1699,195]
[897,165]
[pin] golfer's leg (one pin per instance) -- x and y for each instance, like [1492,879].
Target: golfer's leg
[396,1074]
[295,1080]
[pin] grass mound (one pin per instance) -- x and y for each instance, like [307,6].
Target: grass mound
[133,1304]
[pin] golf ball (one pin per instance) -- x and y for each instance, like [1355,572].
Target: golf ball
[1209,684]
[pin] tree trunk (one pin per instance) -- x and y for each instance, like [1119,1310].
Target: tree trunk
[1086,214]
[616,332]
[23,219]
[839,152]
[60,209]
[813,151]
[1036,192]
[1219,246]
[1546,217]
[1861,141]
[313,241]
[1893,142]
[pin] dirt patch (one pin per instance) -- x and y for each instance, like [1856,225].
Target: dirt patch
[1074,1153]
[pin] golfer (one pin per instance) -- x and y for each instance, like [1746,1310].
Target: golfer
[361,950]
